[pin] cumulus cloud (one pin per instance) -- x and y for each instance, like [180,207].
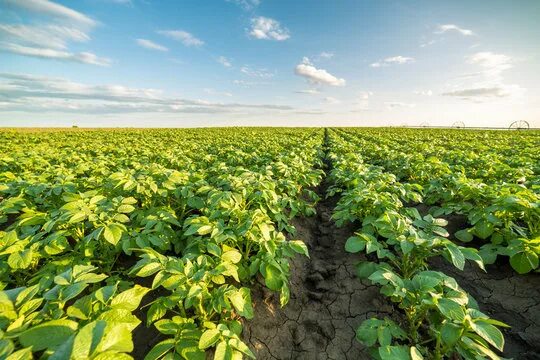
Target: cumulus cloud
[147,44]
[268,29]
[393,60]
[488,83]
[441,29]
[19,92]
[317,76]
[184,37]
[224,61]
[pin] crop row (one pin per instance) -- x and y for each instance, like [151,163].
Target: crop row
[93,222]
[437,318]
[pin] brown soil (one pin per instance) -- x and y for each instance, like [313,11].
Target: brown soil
[328,302]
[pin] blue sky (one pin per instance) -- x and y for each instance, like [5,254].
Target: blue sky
[263,62]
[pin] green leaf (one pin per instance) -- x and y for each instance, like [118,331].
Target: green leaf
[48,335]
[23,354]
[129,299]
[355,244]
[232,256]
[272,277]
[524,262]
[483,229]
[195,202]
[464,235]
[450,333]
[209,338]
[241,300]
[451,309]
[299,247]
[87,339]
[489,333]
[400,352]
[21,259]
[205,229]
[416,354]
[125,209]
[78,217]
[160,349]
[113,233]
[223,352]
[457,257]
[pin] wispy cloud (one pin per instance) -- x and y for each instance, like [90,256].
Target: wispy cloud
[489,82]
[224,61]
[423,92]
[325,55]
[259,73]
[332,100]
[81,57]
[441,29]
[393,60]
[49,40]
[362,103]
[45,36]
[32,93]
[246,4]
[211,91]
[397,104]
[308,91]
[45,7]
[317,76]
[148,44]
[184,37]
[268,29]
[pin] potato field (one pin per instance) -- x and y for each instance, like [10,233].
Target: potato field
[269,243]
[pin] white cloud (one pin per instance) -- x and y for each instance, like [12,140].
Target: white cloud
[147,44]
[362,103]
[332,100]
[488,83]
[395,104]
[30,93]
[309,91]
[317,76]
[246,4]
[49,40]
[393,60]
[183,36]
[260,73]
[81,57]
[482,93]
[441,29]
[428,43]
[224,61]
[423,92]
[268,29]
[45,36]
[45,7]
[326,55]
[215,92]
